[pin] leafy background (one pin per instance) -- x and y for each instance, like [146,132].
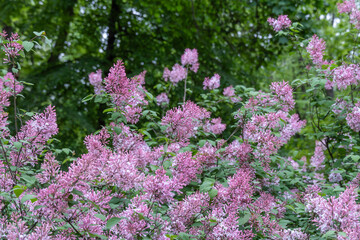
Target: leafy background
[232,37]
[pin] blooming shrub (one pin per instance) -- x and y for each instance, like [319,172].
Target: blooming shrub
[180,175]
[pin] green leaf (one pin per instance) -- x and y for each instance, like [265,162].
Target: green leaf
[30,180]
[38,207]
[202,143]
[18,190]
[184,236]
[109,110]
[28,45]
[330,233]
[30,114]
[114,202]
[98,236]
[112,222]
[355,158]
[88,98]
[342,234]
[39,33]
[245,218]
[117,130]
[29,197]
[102,217]
[207,185]
[77,192]
[100,99]
[149,95]
[66,150]
[17,145]
[212,193]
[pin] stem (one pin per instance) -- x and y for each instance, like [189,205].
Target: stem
[7,161]
[15,118]
[187,71]
[184,92]
[232,134]
[69,222]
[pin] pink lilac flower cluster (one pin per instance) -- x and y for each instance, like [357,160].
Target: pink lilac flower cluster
[190,57]
[96,80]
[337,214]
[346,75]
[180,72]
[335,176]
[353,118]
[33,136]
[212,83]
[255,103]
[340,106]
[214,126]
[230,92]
[282,22]
[261,128]
[177,74]
[350,8]
[183,122]
[12,48]
[265,211]
[283,94]
[317,160]
[316,49]
[294,234]
[127,94]
[237,151]
[162,99]
[342,76]
[207,155]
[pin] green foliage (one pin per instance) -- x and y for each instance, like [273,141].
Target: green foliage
[231,36]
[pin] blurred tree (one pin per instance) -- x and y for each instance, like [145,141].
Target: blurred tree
[232,37]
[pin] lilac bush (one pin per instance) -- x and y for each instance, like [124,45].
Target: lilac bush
[176,175]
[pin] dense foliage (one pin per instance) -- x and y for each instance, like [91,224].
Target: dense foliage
[87,35]
[228,163]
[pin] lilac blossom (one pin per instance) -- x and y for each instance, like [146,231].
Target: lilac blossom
[350,8]
[162,99]
[229,91]
[190,57]
[353,118]
[338,214]
[12,48]
[96,80]
[317,160]
[183,122]
[281,23]
[334,176]
[212,83]
[177,74]
[316,49]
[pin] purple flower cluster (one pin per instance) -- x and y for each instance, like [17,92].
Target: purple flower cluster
[337,214]
[162,99]
[12,48]
[179,72]
[316,49]
[353,118]
[212,83]
[282,22]
[350,8]
[127,94]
